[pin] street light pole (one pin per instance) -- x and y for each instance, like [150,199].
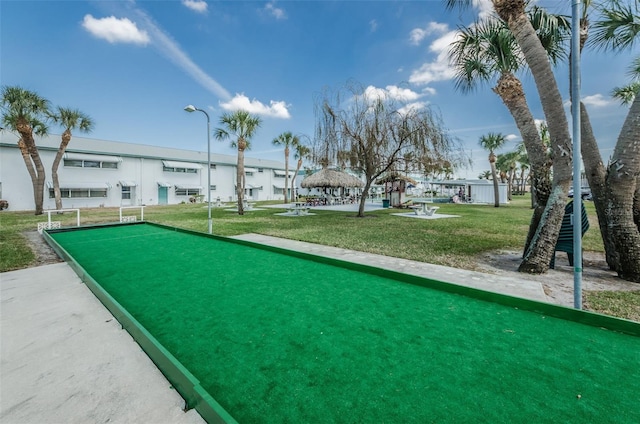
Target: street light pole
[191,108]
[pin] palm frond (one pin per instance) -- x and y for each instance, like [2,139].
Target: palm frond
[617,27]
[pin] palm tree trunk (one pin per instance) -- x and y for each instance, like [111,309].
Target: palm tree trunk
[496,190]
[542,246]
[621,181]
[510,90]
[240,181]
[286,174]
[596,174]
[34,165]
[66,138]
[293,180]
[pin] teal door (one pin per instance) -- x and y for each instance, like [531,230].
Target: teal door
[163,196]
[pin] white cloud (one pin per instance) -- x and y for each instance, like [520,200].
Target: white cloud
[199,6]
[412,106]
[276,109]
[391,92]
[170,49]
[115,30]
[418,34]
[512,137]
[274,11]
[484,8]
[438,69]
[373,25]
[597,100]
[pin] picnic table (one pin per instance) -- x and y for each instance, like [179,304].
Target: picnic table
[422,207]
[298,208]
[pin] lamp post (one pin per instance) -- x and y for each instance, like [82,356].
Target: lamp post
[191,108]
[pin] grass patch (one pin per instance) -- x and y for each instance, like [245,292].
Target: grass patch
[454,242]
[623,304]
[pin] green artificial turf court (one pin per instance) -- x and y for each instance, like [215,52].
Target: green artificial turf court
[284,338]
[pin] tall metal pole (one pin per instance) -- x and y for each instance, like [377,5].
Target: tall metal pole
[191,108]
[577,159]
[208,171]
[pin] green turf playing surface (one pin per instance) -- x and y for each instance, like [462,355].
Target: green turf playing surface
[279,339]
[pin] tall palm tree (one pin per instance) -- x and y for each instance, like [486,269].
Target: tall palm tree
[540,249]
[615,187]
[287,140]
[486,52]
[301,153]
[26,112]
[492,142]
[69,119]
[239,126]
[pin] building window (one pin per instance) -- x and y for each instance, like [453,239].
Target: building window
[187,191]
[213,188]
[213,166]
[183,170]
[260,169]
[126,193]
[70,193]
[76,163]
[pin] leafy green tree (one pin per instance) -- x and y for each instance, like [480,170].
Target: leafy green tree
[26,112]
[239,126]
[69,119]
[493,142]
[287,140]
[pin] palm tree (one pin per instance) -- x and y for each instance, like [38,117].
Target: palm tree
[492,142]
[301,153]
[488,51]
[615,187]
[69,119]
[485,175]
[287,140]
[540,249]
[240,126]
[26,113]
[508,163]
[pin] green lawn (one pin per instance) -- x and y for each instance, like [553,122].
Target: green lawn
[452,242]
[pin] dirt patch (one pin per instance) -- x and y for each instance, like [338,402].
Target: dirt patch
[558,283]
[43,252]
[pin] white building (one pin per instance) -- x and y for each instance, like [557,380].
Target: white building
[96,173]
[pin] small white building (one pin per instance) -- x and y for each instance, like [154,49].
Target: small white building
[96,173]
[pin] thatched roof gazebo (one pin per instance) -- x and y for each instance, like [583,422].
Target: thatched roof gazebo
[331,178]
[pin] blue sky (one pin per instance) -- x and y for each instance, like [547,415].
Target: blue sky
[134,66]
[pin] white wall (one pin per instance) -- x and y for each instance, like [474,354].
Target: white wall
[140,164]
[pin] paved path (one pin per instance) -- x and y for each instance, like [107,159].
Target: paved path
[520,288]
[65,359]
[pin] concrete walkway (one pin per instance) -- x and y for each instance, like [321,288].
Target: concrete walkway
[65,359]
[519,288]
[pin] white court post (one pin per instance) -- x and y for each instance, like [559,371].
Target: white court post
[51,225]
[63,211]
[132,207]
